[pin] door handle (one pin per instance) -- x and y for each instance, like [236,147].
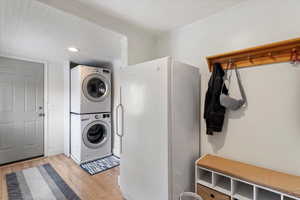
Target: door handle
[120,134]
[120,107]
[117,120]
[122,120]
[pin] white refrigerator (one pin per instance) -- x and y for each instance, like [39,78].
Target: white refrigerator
[158,121]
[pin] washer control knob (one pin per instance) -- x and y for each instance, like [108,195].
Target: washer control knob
[96,116]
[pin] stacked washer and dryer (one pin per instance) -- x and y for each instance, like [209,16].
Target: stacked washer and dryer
[90,113]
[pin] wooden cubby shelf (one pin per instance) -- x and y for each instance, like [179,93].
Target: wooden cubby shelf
[277,52]
[240,181]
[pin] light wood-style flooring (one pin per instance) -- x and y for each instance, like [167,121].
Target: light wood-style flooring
[102,186]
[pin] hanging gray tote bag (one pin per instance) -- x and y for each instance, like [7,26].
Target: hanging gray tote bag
[231,103]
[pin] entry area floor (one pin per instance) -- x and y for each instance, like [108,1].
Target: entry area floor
[103,186]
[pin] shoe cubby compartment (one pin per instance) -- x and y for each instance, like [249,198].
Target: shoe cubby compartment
[222,183]
[204,177]
[242,190]
[262,194]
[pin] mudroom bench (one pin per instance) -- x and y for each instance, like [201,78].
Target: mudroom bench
[222,179]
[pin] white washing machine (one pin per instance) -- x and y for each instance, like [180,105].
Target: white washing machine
[90,90]
[90,136]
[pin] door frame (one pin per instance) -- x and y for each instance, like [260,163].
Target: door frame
[46,119]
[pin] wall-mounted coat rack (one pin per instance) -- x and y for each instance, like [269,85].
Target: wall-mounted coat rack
[277,52]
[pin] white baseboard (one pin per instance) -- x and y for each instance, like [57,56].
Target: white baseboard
[53,152]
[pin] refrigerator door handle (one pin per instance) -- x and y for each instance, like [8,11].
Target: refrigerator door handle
[122,120]
[117,120]
[122,128]
[118,132]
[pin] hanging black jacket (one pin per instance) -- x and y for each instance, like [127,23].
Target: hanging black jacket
[214,112]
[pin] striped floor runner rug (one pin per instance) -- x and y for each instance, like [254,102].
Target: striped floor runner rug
[38,183]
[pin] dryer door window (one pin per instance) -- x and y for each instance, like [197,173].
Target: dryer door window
[95,134]
[95,87]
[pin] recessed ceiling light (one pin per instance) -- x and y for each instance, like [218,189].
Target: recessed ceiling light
[73,49]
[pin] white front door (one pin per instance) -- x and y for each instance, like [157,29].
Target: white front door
[21,110]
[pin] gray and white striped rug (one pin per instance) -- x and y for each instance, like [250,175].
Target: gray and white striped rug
[101,165]
[38,183]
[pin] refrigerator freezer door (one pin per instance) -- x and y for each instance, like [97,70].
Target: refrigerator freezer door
[144,160]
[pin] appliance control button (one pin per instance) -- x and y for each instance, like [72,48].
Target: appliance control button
[106,116]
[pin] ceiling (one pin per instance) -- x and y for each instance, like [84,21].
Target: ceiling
[32,29]
[160,15]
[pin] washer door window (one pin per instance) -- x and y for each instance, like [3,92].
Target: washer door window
[95,134]
[95,87]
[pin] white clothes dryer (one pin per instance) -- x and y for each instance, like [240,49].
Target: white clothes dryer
[90,90]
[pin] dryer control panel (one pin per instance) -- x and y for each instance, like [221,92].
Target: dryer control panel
[98,116]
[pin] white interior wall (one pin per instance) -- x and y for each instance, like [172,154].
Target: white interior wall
[56,118]
[266,133]
[141,42]
[66,116]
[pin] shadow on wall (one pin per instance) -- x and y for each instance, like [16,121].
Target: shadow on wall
[217,141]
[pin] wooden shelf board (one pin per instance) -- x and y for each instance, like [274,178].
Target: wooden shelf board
[260,55]
[282,182]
